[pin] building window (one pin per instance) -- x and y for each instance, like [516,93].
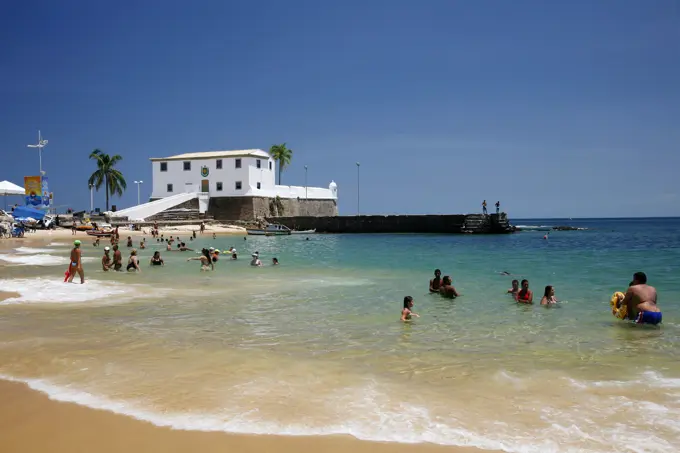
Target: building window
[237,163]
[164,166]
[259,163]
[270,165]
[169,187]
[238,184]
[187,166]
[258,185]
[219,187]
[218,164]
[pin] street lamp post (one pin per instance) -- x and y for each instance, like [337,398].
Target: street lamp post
[358,189]
[305,182]
[91,197]
[41,144]
[139,183]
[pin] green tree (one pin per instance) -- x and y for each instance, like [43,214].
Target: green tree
[282,155]
[106,174]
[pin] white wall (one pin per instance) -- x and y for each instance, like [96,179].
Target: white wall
[248,174]
[190,180]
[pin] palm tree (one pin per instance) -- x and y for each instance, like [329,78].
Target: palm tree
[113,179]
[282,155]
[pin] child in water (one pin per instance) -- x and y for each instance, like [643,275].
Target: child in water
[406,312]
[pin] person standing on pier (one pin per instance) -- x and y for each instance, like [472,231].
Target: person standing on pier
[498,207]
[484,211]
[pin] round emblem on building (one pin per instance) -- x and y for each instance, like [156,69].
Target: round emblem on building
[204,171]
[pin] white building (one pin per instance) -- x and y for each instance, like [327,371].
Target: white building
[244,173]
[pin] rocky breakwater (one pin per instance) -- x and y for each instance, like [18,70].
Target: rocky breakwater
[447,224]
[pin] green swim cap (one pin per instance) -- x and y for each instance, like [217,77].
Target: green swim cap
[76,242]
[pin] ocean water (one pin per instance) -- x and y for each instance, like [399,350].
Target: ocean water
[315,346]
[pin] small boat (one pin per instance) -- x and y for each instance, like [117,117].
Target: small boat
[303,231]
[99,233]
[273,229]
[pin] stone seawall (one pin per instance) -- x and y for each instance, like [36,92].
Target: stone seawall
[454,223]
[252,208]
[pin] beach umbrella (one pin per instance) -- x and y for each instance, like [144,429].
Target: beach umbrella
[8,188]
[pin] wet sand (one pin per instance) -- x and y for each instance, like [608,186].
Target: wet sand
[30,422]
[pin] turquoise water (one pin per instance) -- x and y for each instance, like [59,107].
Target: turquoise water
[315,346]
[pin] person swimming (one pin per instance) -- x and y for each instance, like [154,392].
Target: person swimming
[525,295]
[447,289]
[133,262]
[406,312]
[215,255]
[129,241]
[256,260]
[436,282]
[515,288]
[142,244]
[156,259]
[275,262]
[641,301]
[549,296]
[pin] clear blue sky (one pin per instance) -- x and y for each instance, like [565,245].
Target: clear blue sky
[553,108]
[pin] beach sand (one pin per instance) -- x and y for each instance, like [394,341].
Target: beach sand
[30,422]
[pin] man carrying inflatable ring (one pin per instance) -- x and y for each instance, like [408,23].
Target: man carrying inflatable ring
[639,302]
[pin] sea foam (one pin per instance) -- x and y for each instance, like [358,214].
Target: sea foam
[32,250]
[55,291]
[25,259]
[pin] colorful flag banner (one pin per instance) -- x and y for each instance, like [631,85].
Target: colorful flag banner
[33,190]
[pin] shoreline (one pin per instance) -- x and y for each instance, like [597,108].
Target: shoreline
[31,421]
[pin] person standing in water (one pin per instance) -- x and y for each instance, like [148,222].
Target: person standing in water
[206,261]
[549,296]
[106,260]
[447,289]
[515,288]
[275,262]
[156,259]
[133,262]
[406,312]
[256,260]
[641,301]
[76,263]
[436,282]
[525,295]
[117,259]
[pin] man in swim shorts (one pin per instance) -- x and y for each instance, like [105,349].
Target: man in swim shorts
[76,263]
[106,260]
[117,259]
[436,282]
[641,301]
[447,289]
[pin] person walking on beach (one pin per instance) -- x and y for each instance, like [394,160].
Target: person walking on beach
[498,207]
[73,228]
[117,259]
[76,263]
[447,289]
[106,260]
[202,227]
[641,301]
[525,295]
[436,282]
[406,312]
[484,211]
[549,296]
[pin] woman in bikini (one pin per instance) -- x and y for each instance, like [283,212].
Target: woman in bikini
[133,262]
[156,259]
[525,295]
[549,296]
[206,261]
[406,312]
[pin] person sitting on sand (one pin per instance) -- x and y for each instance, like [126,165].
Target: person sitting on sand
[436,282]
[641,301]
[206,262]
[76,265]
[549,296]
[256,260]
[515,288]
[447,289]
[275,262]
[525,295]
[133,262]
[156,259]
[129,241]
[406,312]
[106,260]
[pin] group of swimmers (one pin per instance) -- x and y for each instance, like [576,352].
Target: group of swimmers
[640,299]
